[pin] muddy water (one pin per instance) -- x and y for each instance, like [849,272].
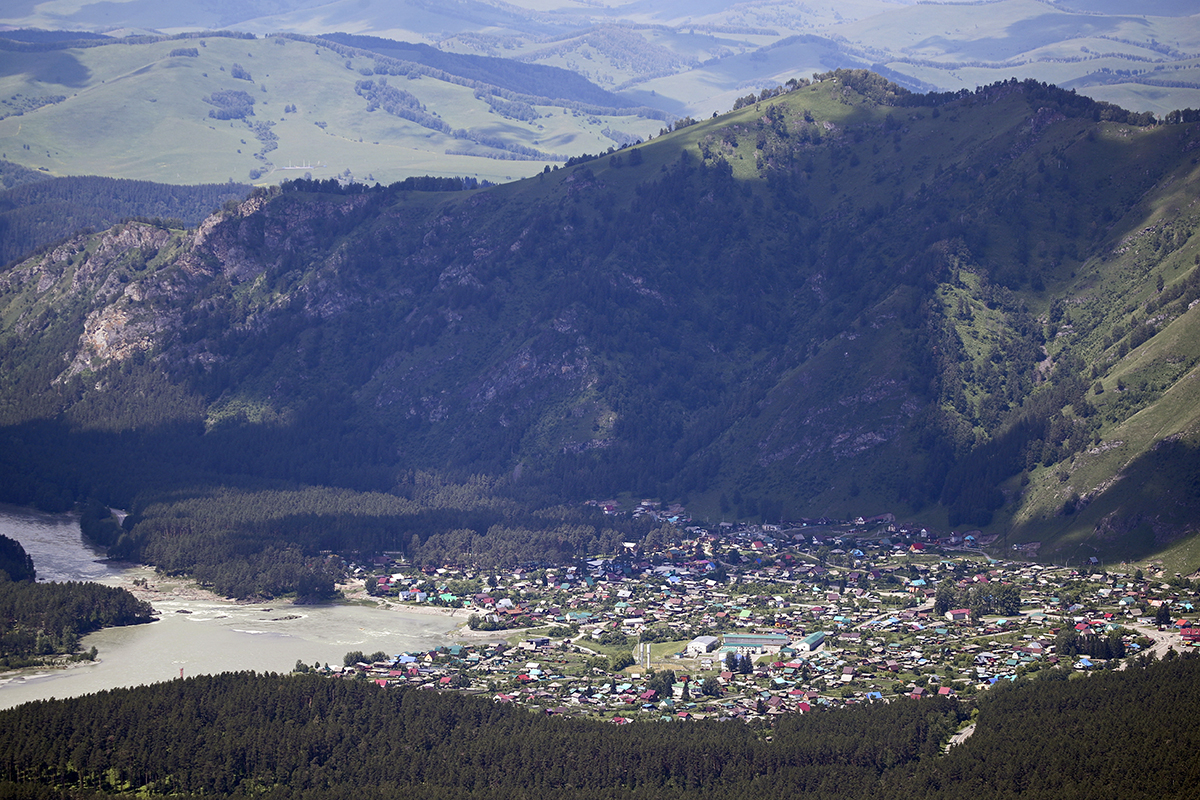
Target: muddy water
[196,633]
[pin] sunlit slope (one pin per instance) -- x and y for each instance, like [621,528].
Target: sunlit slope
[137,111]
[1135,490]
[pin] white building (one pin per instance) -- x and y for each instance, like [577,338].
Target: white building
[701,645]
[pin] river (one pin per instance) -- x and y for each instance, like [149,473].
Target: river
[196,633]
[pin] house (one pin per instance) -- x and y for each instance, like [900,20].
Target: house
[958,614]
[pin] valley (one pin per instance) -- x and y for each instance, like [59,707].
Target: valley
[883,670]
[739,622]
[818,430]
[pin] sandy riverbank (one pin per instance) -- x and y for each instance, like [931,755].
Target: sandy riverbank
[355,591]
[460,615]
[146,584]
[452,613]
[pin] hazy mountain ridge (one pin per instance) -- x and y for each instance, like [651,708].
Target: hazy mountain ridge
[528,79]
[691,59]
[842,299]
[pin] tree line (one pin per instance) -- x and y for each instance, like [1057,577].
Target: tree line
[1129,734]
[36,214]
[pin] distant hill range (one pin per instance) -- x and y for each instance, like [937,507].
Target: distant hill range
[35,36]
[690,59]
[497,93]
[976,310]
[515,76]
[220,108]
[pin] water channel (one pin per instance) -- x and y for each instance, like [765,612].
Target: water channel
[196,633]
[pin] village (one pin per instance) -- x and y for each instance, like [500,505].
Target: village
[748,621]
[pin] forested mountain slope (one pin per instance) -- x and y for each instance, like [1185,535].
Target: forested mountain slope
[1127,734]
[973,309]
[36,213]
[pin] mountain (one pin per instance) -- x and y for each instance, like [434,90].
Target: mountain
[974,310]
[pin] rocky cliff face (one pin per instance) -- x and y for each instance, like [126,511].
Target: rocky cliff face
[94,273]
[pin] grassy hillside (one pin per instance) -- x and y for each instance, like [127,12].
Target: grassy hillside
[972,310]
[145,110]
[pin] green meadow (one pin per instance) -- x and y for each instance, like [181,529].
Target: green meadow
[136,111]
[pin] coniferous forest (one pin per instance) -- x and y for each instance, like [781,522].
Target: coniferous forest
[36,211]
[1127,734]
[15,563]
[40,622]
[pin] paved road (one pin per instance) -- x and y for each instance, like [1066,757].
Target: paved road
[961,736]
[1163,640]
